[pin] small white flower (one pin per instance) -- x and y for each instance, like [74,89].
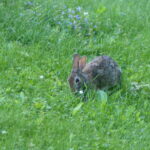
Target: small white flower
[69,9]
[81,92]
[4,132]
[31,144]
[85,13]
[41,77]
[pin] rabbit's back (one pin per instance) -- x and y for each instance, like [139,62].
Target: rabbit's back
[103,72]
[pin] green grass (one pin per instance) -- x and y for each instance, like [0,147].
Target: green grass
[41,113]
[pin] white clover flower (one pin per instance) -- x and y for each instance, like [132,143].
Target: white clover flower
[74,22]
[81,92]
[69,9]
[4,132]
[41,77]
[31,144]
[85,13]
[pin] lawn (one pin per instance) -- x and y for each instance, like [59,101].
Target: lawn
[37,41]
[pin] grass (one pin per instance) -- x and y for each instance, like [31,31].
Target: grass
[37,109]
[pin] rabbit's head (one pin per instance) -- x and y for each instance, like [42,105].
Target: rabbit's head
[77,80]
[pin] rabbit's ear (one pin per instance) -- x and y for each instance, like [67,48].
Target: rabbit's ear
[76,58]
[82,62]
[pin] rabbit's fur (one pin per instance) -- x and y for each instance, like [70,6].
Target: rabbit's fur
[101,73]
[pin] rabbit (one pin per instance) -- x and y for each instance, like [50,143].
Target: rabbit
[101,73]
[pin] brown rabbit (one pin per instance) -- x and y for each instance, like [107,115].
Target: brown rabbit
[101,73]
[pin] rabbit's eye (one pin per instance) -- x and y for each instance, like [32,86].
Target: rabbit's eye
[77,80]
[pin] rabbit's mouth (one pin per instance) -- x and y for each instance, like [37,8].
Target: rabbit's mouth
[80,87]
